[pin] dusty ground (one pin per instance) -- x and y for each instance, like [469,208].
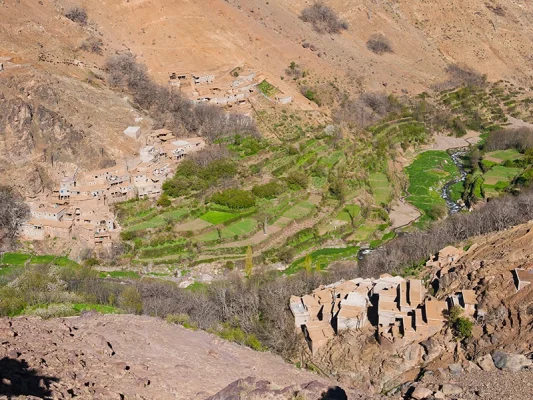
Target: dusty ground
[98,356]
[450,142]
[402,214]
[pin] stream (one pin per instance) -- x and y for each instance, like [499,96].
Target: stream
[456,156]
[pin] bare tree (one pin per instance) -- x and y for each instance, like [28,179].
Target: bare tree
[323,18]
[379,44]
[93,45]
[77,14]
[13,212]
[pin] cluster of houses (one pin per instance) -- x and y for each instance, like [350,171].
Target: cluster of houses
[401,311]
[230,89]
[79,207]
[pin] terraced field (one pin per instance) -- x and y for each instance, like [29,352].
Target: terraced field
[427,175]
[381,188]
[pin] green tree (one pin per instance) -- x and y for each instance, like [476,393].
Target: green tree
[164,200]
[461,326]
[308,264]
[249,262]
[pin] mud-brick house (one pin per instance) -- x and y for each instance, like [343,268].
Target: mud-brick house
[133,132]
[317,334]
[48,213]
[299,311]
[199,79]
[39,229]
[467,300]
[523,277]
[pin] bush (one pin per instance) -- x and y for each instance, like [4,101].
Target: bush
[11,302]
[462,327]
[164,201]
[379,44]
[323,18]
[297,180]
[54,311]
[234,198]
[269,190]
[310,94]
[77,14]
[520,139]
[130,300]
[437,211]
[93,45]
[199,173]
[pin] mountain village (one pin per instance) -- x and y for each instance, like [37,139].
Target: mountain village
[79,208]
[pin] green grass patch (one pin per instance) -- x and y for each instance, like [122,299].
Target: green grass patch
[159,220]
[217,217]
[300,210]
[364,232]
[323,257]
[80,307]
[120,274]
[15,258]
[381,187]
[505,155]
[267,89]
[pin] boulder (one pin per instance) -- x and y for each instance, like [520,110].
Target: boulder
[451,390]
[421,393]
[517,362]
[456,369]
[485,363]
[471,367]
[439,395]
[499,358]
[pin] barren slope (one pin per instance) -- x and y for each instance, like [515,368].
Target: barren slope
[97,356]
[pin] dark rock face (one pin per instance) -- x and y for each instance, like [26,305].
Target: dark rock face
[252,389]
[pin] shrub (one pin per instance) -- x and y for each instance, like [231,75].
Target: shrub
[462,327]
[461,75]
[437,211]
[310,94]
[294,71]
[130,300]
[269,190]
[11,302]
[234,198]
[54,311]
[323,18]
[297,180]
[230,265]
[164,201]
[91,262]
[93,45]
[379,44]
[77,14]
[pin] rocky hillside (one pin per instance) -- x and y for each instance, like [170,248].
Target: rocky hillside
[501,336]
[53,93]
